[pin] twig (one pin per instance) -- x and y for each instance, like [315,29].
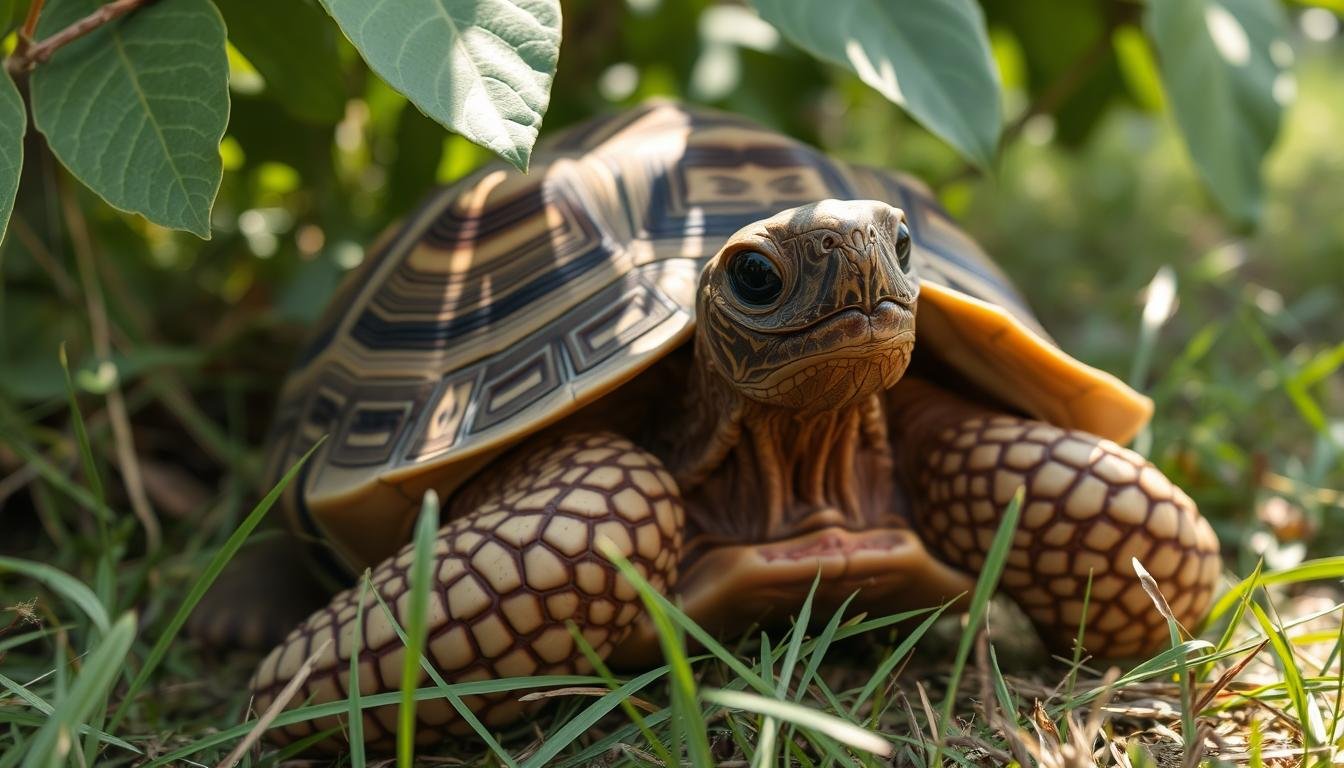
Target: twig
[29,54]
[65,285]
[273,711]
[29,28]
[1066,85]
[124,439]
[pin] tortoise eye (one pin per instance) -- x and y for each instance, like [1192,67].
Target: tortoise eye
[903,244]
[754,278]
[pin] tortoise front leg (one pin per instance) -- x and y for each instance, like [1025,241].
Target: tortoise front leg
[515,563]
[1090,507]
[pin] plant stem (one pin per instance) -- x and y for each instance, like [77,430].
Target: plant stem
[30,22]
[29,54]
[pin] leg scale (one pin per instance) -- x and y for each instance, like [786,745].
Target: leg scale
[513,566]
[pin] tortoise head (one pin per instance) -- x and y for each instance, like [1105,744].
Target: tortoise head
[812,308]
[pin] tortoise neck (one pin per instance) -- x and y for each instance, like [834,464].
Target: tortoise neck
[756,472]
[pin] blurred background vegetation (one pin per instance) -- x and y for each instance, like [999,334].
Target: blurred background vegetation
[1092,196]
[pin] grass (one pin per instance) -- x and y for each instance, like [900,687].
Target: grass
[1244,364]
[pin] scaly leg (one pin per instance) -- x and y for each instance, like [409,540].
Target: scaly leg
[1090,507]
[514,564]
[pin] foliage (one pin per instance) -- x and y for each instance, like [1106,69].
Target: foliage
[1126,138]
[142,135]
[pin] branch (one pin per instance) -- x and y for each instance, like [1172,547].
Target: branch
[28,55]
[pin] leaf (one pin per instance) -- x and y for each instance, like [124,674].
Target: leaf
[934,62]
[1139,67]
[1223,65]
[302,71]
[7,20]
[482,68]
[13,124]
[136,109]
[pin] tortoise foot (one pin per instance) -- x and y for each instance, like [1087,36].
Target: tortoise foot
[244,610]
[514,564]
[1091,507]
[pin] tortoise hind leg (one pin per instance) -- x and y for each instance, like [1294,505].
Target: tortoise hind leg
[262,592]
[1090,507]
[514,564]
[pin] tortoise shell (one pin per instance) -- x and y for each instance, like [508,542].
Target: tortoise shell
[508,301]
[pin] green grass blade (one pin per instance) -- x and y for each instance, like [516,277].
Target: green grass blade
[765,743]
[1292,677]
[806,718]
[103,664]
[581,723]
[82,434]
[897,654]
[422,575]
[796,640]
[105,583]
[871,625]
[593,752]
[41,705]
[1001,690]
[1251,583]
[985,587]
[685,704]
[818,650]
[391,698]
[447,691]
[710,643]
[55,477]
[1312,570]
[630,710]
[63,584]
[1164,663]
[207,577]
[357,645]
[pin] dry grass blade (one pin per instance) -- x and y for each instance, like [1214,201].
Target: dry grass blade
[1149,585]
[1227,677]
[123,438]
[913,720]
[586,690]
[1193,757]
[282,700]
[932,719]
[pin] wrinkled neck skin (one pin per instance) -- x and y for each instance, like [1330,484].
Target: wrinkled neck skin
[752,472]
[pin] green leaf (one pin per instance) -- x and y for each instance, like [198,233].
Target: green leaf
[13,124]
[302,71]
[482,68]
[136,109]
[1139,67]
[934,61]
[7,20]
[1223,65]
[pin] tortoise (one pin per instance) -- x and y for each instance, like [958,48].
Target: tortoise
[744,363]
